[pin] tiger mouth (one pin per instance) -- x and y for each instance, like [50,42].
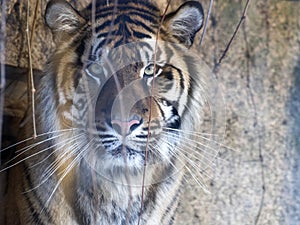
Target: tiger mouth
[122,151]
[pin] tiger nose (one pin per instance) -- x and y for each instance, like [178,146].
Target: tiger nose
[125,127]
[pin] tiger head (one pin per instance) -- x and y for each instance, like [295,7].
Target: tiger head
[125,80]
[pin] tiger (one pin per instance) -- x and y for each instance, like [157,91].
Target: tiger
[120,86]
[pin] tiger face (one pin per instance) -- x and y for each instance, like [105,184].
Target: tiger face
[124,80]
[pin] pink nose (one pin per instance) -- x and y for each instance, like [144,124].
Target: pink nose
[124,127]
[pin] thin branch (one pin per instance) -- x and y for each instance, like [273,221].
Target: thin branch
[255,116]
[34,20]
[30,75]
[256,122]
[150,110]
[2,65]
[206,22]
[235,32]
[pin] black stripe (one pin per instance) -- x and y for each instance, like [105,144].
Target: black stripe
[132,10]
[169,52]
[180,75]
[105,34]
[145,45]
[106,136]
[139,12]
[161,111]
[100,128]
[120,42]
[35,196]
[171,204]
[108,141]
[174,124]
[169,76]
[181,80]
[172,219]
[34,214]
[104,25]
[140,35]
[123,29]
[142,136]
[104,11]
[123,19]
[151,7]
[192,72]
[143,25]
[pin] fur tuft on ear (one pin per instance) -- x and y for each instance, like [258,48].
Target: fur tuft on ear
[62,17]
[185,22]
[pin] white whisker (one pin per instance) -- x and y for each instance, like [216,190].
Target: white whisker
[153,149]
[58,162]
[160,153]
[64,142]
[189,132]
[28,157]
[201,135]
[193,149]
[202,185]
[32,138]
[192,162]
[188,141]
[66,171]
[26,148]
[53,167]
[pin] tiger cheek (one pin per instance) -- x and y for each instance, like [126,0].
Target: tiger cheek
[147,109]
[156,114]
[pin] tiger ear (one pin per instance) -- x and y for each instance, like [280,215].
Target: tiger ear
[62,17]
[185,22]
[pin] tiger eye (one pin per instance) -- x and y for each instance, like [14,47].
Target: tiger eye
[95,69]
[149,70]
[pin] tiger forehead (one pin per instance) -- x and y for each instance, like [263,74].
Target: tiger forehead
[144,53]
[124,23]
[142,9]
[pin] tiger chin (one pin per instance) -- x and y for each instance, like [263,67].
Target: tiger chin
[115,94]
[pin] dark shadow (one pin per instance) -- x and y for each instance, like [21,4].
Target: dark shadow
[291,186]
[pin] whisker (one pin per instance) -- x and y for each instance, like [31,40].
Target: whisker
[32,138]
[203,186]
[53,167]
[194,148]
[66,171]
[195,166]
[202,170]
[193,118]
[209,165]
[26,149]
[64,142]
[159,153]
[22,160]
[188,141]
[189,132]
[200,135]
[153,149]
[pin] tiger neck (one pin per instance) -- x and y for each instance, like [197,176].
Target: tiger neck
[101,201]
